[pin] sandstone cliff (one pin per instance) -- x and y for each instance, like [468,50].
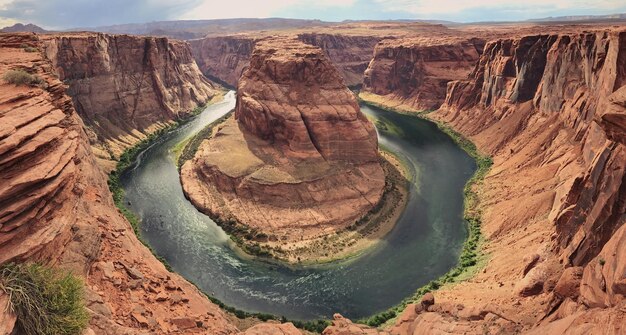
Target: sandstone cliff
[300,160]
[125,87]
[414,72]
[550,110]
[349,53]
[224,58]
[56,209]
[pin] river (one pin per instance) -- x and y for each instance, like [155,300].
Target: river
[424,244]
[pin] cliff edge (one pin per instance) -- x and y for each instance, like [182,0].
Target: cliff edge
[549,109]
[127,87]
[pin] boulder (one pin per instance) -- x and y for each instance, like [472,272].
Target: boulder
[568,285]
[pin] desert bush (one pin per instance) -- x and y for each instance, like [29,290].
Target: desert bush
[28,48]
[21,77]
[46,301]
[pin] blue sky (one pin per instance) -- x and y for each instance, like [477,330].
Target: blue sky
[58,14]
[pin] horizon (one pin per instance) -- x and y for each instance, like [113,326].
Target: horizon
[88,14]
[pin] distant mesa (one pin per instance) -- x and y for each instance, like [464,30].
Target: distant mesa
[23,28]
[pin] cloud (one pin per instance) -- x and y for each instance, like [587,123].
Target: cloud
[7,22]
[58,14]
[254,8]
[500,10]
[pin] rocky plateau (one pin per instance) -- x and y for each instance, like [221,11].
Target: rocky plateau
[298,160]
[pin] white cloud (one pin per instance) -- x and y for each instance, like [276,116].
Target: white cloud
[5,22]
[425,8]
[209,9]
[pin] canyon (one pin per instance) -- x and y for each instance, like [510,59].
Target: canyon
[57,210]
[126,87]
[298,161]
[549,108]
[348,46]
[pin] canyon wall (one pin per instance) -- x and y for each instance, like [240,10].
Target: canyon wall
[300,159]
[125,87]
[574,85]
[414,72]
[550,109]
[224,58]
[349,53]
[56,209]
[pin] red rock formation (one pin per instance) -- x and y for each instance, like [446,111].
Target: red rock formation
[414,72]
[572,80]
[125,87]
[300,160]
[549,109]
[56,208]
[40,151]
[224,58]
[349,53]
[343,326]
[293,96]
[272,329]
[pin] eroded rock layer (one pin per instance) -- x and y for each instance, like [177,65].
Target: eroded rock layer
[56,209]
[224,57]
[549,109]
[414,72]
[125,87]
[349,53]
[300,160]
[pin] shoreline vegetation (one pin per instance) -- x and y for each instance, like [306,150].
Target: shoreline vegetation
[349,243]
[471,258]
[127,160]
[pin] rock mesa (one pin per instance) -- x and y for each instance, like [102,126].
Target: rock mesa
[299,160]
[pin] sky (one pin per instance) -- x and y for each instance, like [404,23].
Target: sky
[63,14]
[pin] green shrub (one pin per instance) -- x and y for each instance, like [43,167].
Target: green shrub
[21,77]
[30,49]
[46,301]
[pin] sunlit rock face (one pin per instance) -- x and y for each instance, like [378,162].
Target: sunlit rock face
[56,209]
[414,72]
[299,159]
[126,87]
